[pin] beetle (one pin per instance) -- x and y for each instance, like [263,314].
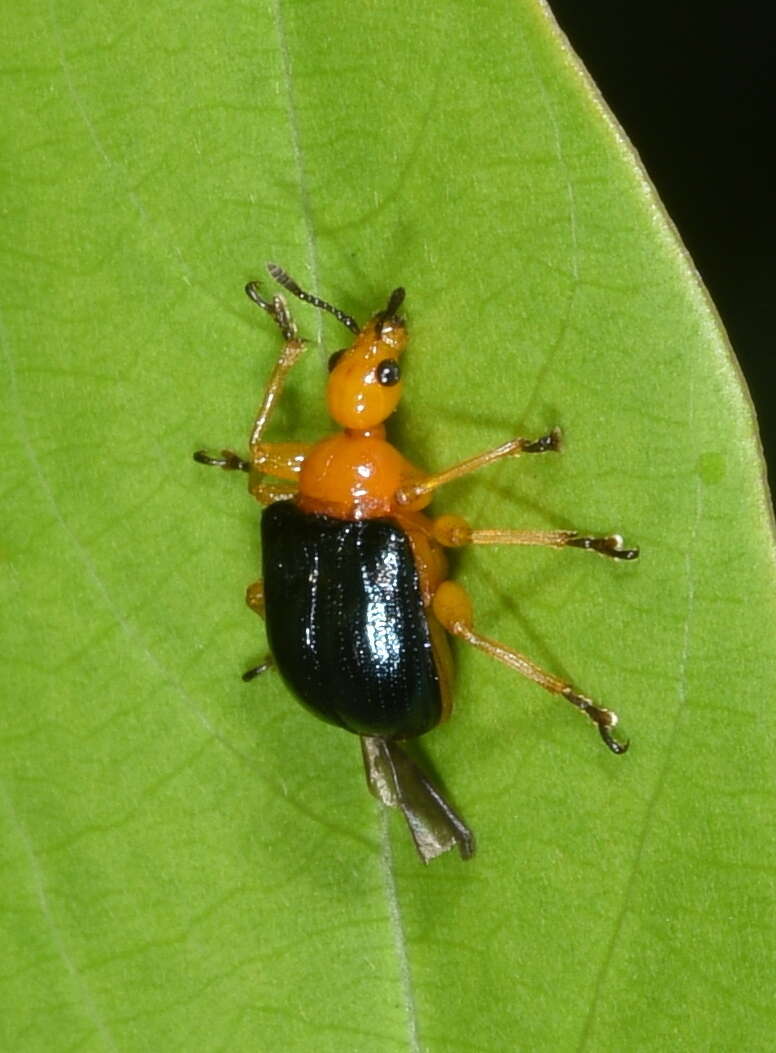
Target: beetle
[355,594]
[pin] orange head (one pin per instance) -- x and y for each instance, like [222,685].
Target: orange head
[365,379]
[364,385]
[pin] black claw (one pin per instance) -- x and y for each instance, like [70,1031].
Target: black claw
[277,309]
[253,291]
[228,460]
[626,553]
[611,742]
[605,546]
[604,719]
[251,674]
[544,444]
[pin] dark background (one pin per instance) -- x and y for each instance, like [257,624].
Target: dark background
[693,87]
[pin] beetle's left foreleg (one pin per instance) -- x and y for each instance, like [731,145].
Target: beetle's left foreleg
[453,610]
[455,532]
[282,459]
[291,352]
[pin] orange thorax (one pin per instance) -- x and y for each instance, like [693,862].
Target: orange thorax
[352,475]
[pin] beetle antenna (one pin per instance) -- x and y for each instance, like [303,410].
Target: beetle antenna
[288,282]
[395,300]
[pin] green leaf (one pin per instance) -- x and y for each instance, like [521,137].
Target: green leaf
[193,863]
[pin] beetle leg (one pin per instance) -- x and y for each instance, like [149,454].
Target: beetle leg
[263,457]
[455,532]
[269,493]
[257,670]
[415,491]
[290,353]
[453,610]
[283,460]
[229,461]
[254,597]
[265,493]
[277,309]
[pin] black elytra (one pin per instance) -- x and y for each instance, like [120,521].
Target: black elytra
[346,623]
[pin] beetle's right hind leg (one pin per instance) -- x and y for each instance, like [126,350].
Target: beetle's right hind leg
[453,610]
[292,350]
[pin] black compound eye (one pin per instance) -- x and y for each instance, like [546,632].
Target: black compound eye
[335,357]
[388,372]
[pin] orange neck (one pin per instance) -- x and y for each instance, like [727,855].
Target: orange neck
[378,432]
